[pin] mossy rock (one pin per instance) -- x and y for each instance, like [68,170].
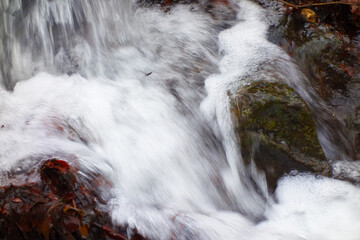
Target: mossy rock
[327,52]
[276,129]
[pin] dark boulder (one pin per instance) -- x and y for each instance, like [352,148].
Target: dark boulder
[328,53]
[276,130]
[59,206]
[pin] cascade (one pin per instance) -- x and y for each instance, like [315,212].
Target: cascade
[140,95]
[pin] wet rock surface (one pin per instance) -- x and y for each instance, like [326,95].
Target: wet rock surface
[276,130]
[60,206]
[326,47]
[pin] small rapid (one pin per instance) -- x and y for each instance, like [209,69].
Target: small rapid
[140,96]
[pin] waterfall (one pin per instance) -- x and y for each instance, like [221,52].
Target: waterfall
[139,95]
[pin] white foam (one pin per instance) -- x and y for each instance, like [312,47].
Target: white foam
[313,208]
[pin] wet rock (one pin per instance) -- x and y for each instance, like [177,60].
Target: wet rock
[353,122]
[58,207]
[327,57]
[328,53]
[276,130]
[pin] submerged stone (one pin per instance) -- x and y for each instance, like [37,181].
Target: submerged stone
[328,53]
[276,130]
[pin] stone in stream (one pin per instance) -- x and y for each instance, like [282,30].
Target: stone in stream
[328,53]
[276,130]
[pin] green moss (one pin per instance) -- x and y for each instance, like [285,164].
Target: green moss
[276,130]
[279,113]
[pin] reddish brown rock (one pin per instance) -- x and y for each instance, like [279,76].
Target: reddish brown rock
[58,207]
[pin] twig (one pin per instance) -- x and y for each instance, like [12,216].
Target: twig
[315,4]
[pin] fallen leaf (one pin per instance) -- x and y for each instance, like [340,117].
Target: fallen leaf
[71,223]
[83,230]
[348,70]
[112,234]
[60,165]
[45,226]
[309,15]
[73,211]
[222,2]
[16,200]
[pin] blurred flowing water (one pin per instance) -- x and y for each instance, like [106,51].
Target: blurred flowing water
[139,95]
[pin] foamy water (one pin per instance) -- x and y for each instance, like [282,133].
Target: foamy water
[140,96]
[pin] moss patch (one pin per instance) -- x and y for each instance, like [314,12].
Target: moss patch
[275,126]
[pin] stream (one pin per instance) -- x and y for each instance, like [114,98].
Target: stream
[140,96]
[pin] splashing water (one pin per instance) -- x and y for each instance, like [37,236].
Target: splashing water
[139,95]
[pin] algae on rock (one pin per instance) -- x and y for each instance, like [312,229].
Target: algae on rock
[276,130]
[328,53]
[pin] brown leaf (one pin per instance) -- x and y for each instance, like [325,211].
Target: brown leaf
[112,234]
[83,230]
[166,2]
[60,165]
[45,226]
[222,2]
[348,70]
[3,211]
[309,15]
[16,200]
[73,211]
[71,223]
[27,207]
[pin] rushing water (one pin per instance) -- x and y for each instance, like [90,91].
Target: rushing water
[140,95]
